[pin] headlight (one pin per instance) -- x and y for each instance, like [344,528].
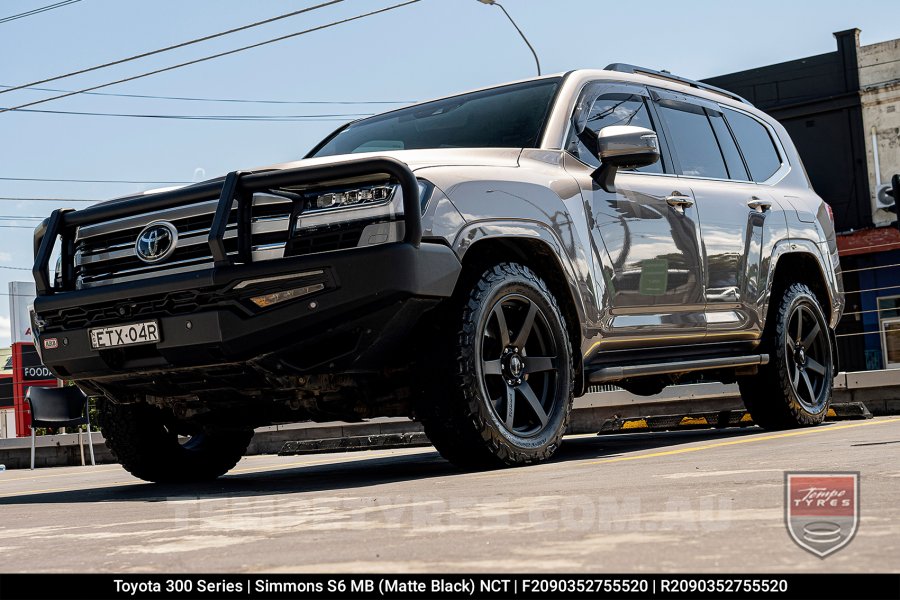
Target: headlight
[364,197]
[354,197]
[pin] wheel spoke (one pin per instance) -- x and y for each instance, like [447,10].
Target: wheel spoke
[536,364]
[810,337]
[795,375]
[799,325]
[491,367]
[528,393]
[527,324]
[510,406]
[809,387]
[501,324]
[815,366]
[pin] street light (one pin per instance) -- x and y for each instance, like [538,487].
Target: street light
[530,47]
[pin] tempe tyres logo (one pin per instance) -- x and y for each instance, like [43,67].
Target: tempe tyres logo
[821,510]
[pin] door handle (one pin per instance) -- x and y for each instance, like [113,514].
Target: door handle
[676,200]
[759,205]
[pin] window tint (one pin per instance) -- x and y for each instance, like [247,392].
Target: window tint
[756,145]
[691,136]
[614,109]
[506,117]
[736,169]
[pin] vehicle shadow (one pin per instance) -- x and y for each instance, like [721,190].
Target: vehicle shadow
[362,472]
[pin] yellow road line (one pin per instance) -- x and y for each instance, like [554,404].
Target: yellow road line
[746,440]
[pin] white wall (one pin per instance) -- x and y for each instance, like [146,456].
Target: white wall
[7,423]
[879,80]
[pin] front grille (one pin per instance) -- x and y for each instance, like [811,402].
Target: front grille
[105,253]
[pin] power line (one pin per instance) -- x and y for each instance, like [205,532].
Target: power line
[57,200]
[234,100]
[211,56]
[173,47]
[37,11]
[82,181]
[271,118]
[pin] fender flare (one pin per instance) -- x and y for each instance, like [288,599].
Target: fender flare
[808,248]
[480,231]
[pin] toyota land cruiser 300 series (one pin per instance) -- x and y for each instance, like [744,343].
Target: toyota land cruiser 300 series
[473,262]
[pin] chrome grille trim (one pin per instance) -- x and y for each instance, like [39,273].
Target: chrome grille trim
[135,274]
[173,214]
[100,264]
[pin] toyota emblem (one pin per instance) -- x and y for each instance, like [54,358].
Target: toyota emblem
[156,242]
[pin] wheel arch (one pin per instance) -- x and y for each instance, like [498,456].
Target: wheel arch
[798,262]
[537,248]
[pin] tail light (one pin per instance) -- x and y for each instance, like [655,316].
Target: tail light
[830,212]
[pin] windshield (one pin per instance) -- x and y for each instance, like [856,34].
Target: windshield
[511,116]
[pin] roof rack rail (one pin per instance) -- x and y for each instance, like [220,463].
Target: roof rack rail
[626,68]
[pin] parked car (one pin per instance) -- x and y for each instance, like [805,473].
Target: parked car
[473,262]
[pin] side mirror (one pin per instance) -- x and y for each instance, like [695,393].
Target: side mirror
[623,146]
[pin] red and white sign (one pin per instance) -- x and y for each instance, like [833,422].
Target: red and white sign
[821,510]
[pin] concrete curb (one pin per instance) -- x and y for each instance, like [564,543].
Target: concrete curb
[856,395]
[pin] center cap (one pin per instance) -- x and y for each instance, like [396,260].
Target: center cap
[801,355]
[516,366]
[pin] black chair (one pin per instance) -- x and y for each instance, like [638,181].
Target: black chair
[59,407]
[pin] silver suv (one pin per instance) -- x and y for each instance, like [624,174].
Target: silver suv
[473,262]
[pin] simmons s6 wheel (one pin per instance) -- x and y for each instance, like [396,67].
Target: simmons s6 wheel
[794,389]
[506,392]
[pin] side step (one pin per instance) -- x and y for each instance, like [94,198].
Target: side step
[610,374]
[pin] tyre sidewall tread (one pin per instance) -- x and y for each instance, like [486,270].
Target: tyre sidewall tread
[462,426]
[769,396]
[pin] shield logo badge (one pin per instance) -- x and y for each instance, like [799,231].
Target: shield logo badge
[821,510]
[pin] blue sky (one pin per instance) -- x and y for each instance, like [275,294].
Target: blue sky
[428,49]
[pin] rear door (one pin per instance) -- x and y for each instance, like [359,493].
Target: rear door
[645,235]
[732,208]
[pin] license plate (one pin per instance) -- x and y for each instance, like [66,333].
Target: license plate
[124,335]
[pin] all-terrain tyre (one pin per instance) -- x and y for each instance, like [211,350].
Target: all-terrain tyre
[500,392]
[794,389]
[147,445]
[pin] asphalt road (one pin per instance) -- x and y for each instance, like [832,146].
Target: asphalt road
[690,501]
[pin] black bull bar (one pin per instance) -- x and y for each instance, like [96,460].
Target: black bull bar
[236,186]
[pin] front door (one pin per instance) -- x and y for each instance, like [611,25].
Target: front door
[645,235]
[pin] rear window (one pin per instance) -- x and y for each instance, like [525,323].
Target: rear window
[756,145]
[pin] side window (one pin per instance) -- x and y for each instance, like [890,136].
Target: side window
[756,144]
[613,109]
[691,137]
[733,160]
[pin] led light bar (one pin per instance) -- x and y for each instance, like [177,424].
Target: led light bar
[367,195]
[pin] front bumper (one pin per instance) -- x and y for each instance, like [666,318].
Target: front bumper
[357,301]
[369,300]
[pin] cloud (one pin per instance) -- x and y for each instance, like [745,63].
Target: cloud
[5,332]
[6,257]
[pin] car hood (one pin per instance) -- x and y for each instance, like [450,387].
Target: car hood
[419,159]
[415,159]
